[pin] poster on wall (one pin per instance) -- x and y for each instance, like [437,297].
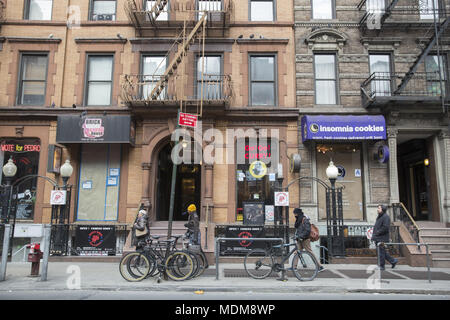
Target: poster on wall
[253,213]
[270,213]
[95,240]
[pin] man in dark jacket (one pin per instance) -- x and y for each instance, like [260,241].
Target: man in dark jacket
[381,234]
[303,229]
[193,225]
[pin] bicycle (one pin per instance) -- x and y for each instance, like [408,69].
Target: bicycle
[197,251]
[161,258]
[260,263]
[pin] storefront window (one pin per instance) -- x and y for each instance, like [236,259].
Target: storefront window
[255,181]
[25,154]
[98,197]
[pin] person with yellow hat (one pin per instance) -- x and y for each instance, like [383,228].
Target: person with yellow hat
[193,225]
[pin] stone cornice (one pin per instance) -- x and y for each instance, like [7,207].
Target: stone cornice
[33,40]
[100,40]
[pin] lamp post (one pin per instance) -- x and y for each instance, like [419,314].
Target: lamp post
[332,173]
[66,171]
[9,171]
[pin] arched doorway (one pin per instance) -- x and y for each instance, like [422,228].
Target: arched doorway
[187,187]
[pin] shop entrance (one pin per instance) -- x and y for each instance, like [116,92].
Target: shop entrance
[417,181]
[187,187]
[347,158]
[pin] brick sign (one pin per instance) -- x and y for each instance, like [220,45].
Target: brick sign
[188,120]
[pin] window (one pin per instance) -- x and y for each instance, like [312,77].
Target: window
[432,65]
[103,10]
[25,155]
[99,179]
[375,6]
[325,78]
[427,8]
[99,80]
[212,80]
[322,9]
[153,67]
[208,5]
[380,68]
[33,79]
[163,15]
[262,80]
[262,10]
[38,9]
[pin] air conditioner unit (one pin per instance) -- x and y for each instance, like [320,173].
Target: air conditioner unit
[99,17]
[374,21]
[108,17]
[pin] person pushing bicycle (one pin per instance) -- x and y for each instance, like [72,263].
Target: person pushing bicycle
[193,232]
[303,229]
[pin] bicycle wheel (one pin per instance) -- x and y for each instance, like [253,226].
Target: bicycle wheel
[135,266]
[203,263]
[258,264]
[304,265]
[179,266]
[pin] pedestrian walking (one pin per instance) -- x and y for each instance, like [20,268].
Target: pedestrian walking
[193,225]
[381,235]
[140,228]
[303,230]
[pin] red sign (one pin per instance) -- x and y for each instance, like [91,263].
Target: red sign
[188,120]
[257,152]
[20,148]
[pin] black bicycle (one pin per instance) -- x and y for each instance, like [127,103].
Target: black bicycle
[260,263]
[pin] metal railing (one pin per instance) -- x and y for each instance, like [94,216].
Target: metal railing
[407,244]
[218,240]
[136,89]
[385,84]
[24,253]
[402,214]
[404,10]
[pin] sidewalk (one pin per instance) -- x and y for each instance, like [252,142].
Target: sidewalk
[232,278]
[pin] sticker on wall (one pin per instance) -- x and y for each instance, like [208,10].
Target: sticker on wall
[258,169]
[357,172]
[114,172]
[341,171]
[112,181]
[270,211]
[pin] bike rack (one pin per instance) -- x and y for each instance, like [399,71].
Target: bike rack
[407,244]
[218,240]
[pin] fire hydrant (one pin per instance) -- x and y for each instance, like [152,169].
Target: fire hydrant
[34,257]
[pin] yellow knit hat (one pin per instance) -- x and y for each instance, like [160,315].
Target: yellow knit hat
[192,207]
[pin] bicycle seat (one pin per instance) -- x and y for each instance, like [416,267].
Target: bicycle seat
[156,237]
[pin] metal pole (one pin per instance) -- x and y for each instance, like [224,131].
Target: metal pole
[172,187]
[6,238]
[47,233]
[428,264]
[217,258]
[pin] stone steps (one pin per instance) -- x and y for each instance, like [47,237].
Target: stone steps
[441,253]
[441,262]
[437,238]
[434,231]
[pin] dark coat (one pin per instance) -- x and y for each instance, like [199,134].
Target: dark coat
[193,224]
[381,228]
[139,224]
[303,227]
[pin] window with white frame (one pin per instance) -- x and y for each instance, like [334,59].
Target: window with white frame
[103,10]
[263,80]
[162,16]
[32,79]
[262,10]
[153,68]
[322,9]
[380,69]
[427,8]
[325,78]
[209,73]
[38,9]
[99,80]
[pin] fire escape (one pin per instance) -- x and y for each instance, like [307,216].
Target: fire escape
[176,85]
[429,18]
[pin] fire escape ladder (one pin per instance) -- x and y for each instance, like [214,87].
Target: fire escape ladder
[160,85]
[441,28]
[156,10]
[388,11]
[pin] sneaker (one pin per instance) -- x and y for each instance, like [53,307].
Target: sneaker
[321,268]
[395,263]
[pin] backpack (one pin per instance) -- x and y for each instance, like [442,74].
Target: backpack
[314,233]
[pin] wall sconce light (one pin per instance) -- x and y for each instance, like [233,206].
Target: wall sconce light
[426,162]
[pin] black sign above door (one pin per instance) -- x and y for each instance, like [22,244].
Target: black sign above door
[95,129]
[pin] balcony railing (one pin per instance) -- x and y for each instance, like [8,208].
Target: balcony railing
[144,14]
[382,87]
[375,12]
[137,89]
